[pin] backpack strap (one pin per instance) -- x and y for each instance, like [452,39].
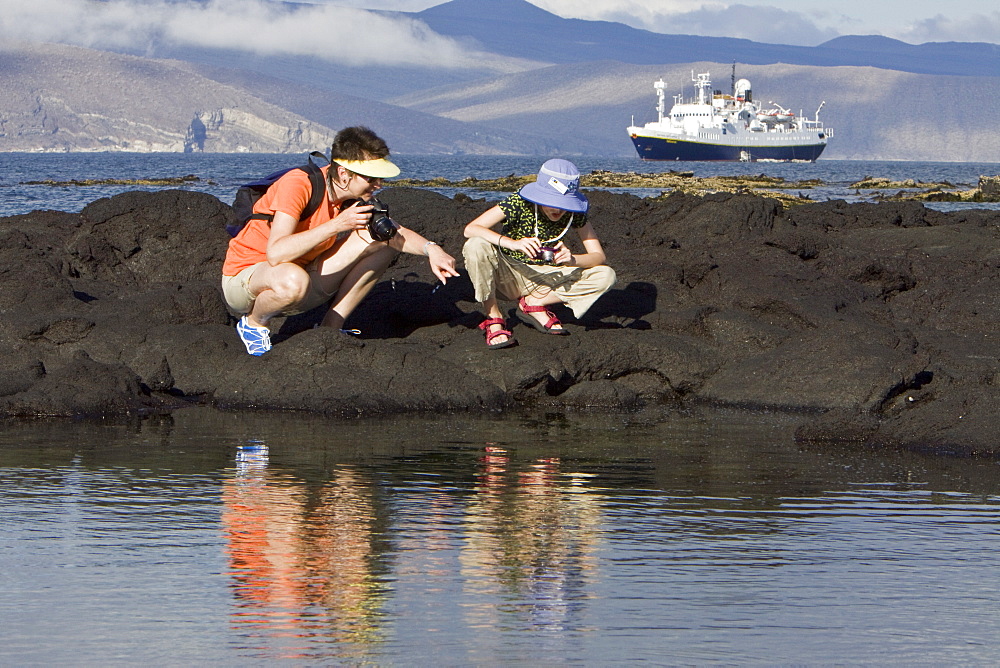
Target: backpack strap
[318,189]
[318,186]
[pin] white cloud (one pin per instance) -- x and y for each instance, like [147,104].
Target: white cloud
[697,17]
[386,5]
[760,24]
[804,22]
[643,14]
[942,28]
[338,34]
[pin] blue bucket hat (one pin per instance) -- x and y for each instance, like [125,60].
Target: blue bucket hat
[558,186]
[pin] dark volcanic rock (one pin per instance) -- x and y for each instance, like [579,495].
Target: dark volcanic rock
[878,319]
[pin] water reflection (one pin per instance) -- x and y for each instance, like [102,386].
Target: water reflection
[531,539]
[312,561]
[301,560]
[223,539]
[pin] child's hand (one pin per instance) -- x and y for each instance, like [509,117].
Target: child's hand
[563,254]
[528,245]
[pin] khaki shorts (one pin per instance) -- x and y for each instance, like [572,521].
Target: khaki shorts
[239,298]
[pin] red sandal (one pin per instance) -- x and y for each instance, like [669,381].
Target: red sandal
[522,314]
[489,322]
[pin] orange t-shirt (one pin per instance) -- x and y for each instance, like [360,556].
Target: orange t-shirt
[289,194]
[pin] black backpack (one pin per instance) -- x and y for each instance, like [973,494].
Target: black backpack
[248,194]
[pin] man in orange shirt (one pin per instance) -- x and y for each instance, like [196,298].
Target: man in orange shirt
[286,266]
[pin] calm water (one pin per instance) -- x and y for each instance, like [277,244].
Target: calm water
[235,539]
[221,174]
[231,539]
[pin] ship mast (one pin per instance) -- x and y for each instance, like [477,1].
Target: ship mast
[660,106]
[703,83]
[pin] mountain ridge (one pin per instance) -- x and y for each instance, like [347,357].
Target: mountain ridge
[61,97]
[865,125]
[234,101]
[559,40]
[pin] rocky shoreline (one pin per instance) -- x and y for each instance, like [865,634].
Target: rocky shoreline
[876,321]
[790,193]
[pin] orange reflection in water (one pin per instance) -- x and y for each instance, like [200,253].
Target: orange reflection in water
[304,560]
[301,561]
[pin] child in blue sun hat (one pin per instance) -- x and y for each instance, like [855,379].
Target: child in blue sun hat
[528,258]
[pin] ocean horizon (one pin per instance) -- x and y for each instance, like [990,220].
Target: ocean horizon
[26,178]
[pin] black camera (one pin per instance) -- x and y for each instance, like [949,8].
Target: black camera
[380,225]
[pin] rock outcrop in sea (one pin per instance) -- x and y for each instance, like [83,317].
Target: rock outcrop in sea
[878,322]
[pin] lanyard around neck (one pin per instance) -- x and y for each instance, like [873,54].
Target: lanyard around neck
[548,241]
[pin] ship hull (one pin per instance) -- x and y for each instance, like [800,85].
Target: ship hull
[665,148]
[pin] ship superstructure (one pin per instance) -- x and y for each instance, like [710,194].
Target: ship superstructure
[731,127]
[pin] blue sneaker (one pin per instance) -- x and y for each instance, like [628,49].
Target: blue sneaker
[256,339]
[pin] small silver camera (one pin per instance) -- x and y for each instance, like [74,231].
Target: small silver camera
[547,255]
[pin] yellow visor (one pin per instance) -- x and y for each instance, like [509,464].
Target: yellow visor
[379,169]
